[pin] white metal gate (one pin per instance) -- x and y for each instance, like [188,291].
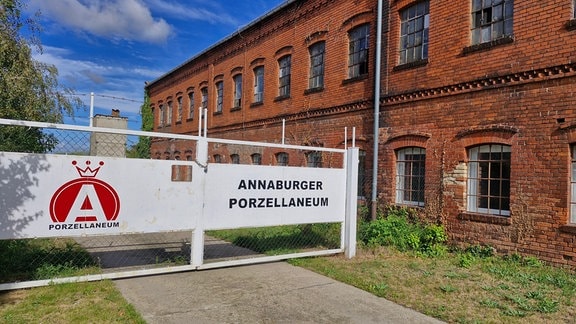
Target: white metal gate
[199,203]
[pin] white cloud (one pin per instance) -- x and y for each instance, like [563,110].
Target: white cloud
[84,76]
[123,19]
[193,11]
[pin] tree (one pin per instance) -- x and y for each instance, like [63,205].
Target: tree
[29,90]
[142,148]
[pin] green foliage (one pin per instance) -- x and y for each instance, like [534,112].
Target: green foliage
[29,90]
[283,239]
[41,259]
[142,148]
[402,230]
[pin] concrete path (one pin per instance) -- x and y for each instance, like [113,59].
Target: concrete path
[265,293]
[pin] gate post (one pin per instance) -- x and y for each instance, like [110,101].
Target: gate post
[350,220]
[197,243]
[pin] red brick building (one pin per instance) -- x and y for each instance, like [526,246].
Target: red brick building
[477,124]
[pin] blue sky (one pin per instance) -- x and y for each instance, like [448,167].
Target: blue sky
[110,47]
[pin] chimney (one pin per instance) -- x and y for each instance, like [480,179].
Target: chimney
[115,113]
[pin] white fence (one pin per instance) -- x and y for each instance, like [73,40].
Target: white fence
[134,215]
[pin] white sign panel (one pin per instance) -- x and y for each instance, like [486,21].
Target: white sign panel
[57,195]
[254,196]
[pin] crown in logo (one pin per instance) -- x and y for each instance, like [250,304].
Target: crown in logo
[87,172]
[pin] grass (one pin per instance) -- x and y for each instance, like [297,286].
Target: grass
[90,302]
[414,268]
[489,290]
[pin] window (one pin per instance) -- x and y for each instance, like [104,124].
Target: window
[219,96]
[237,91]
[258,84]
[169,113]
[179,112]
[573,186]
[358,51]
[284,65]
[316,66]
[235,158]
[282,159]
[410,169]
[191,105]
[314,159]
[491,20]
[161,117]
[489,179]
[256,158]
[414,33]
[204,103]
[217,158]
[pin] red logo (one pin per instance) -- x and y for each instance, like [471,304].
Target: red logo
[85,199]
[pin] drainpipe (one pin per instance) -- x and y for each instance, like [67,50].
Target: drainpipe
[376,110]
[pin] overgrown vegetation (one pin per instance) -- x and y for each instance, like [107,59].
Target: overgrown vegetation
[400,229]
[283,239]
[34,259]
[407,261]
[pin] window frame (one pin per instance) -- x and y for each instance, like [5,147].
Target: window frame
[358,51]
[411,176]
[485,23]
[169,113]
[284,75]
[317,53]
[414,26]
[481,181]
[237,98]
[161,115]
[179,109]
[314,159]
[204,99]
[191,105]
[282,159]
[219,96]
[258,85]
[234,158]
[256,158]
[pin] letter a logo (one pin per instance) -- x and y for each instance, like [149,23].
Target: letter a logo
[85,199]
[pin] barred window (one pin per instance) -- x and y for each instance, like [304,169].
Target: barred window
[415,21]
[491,20]
[256,158]
[282,158]
[314,159]
[410,175]
[489,179]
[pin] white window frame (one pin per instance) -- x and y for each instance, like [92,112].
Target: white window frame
[179,112]
[410,173]
[476,180]
[191,105]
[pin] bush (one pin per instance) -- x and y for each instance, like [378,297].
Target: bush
[400,229]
